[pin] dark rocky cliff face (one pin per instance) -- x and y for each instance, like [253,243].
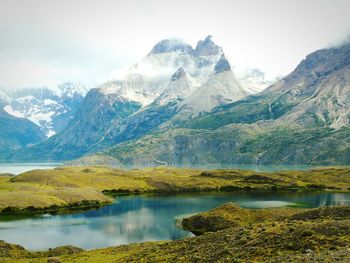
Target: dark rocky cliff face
[222,65]
[207,47]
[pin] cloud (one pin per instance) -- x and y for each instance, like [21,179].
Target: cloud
[46,42]
[32,57]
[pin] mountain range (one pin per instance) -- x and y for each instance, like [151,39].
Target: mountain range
[185,106]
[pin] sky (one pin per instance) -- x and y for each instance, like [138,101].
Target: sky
[44,43]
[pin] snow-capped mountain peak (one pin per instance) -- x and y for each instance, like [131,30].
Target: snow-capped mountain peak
[153,79]
[221,88]
[145,81]
[181,85]
[51,110]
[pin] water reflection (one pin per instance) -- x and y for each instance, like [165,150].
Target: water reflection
[143,218]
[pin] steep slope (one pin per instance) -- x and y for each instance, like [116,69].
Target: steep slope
[326,100]
[180,87]
[317,91]
[17,133]
[220,89]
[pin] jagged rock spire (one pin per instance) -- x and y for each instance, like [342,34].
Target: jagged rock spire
[178,74]
[222,65]
[207,47]
[168,45]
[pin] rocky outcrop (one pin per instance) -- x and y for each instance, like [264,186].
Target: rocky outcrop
[222,65]
[180,73]
[207,47]
[171,45]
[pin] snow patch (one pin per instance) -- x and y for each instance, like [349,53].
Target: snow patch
[50,133]
[49,102]
[26,98]
[11,111]
[39,117]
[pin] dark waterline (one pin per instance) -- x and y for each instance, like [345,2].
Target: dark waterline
[143,218]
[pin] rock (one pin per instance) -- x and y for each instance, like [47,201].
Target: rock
[207,47]
[63,250]
[178,74]
[169,45]
[222,65]
[53,260]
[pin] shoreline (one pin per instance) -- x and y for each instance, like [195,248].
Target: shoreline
[64,189]
[86,205]
[227,230]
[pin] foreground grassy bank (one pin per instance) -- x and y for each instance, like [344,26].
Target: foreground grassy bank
[229,234]
[67,188]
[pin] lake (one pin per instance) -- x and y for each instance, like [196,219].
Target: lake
[141,218]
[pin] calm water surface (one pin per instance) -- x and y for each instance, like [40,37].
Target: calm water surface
[142,218]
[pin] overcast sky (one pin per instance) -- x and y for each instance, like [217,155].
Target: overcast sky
[43,43]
